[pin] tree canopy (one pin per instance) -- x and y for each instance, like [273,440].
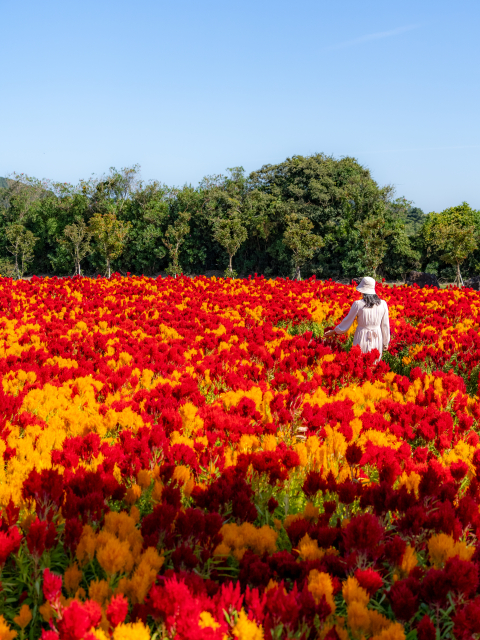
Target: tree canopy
[227,222]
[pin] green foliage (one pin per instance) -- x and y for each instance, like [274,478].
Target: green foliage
[303,244]
[414,220]
[453,233]
[110,234]
[76,241]
[174,238]
[266,220]
[373,232]
[7,268]
[21,243]
[230,233]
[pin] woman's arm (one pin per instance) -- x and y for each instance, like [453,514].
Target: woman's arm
[347,322]
[385,327]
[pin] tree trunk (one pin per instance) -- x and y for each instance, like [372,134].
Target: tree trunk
[108,267]
[230,256]
[459,277]
[298,275]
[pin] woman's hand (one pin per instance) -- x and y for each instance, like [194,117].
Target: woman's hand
[329,333]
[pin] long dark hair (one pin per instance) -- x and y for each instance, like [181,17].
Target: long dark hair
[371,299]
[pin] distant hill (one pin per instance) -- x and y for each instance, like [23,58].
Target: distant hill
[3,183]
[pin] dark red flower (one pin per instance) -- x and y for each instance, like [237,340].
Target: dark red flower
[353,454]
[363,533]
[403,601]
[459,470]
[426,629]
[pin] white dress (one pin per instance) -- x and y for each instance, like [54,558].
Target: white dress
[373,330]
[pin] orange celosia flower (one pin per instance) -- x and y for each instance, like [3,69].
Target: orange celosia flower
[24,617]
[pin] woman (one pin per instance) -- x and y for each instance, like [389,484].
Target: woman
[373,330]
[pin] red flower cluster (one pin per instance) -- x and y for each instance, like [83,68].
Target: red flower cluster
[186,457]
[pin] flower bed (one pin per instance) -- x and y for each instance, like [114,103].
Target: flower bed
[189,458]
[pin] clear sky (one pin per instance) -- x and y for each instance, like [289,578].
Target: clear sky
[187,88]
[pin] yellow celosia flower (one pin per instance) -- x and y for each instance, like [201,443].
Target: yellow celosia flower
[115,557]
[181,474]
[99,590]
[135,514]
[132,494]
[144,575]
[131,631]
[222,549]
[46,611]
[238,537]
[320,584]
[302,451]
[143,478]
[86,546]
[269,442]
[411,481]
[378,622]
[353,592]
[207,620]
[157,491]
[24,617]
[72,578]
[246,629]
[5,632]
[357,618]
[99,634]
[310,512]
[441,547]
[308,549]
[394,632]
[409,560]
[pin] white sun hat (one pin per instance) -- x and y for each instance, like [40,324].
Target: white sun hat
[367,285]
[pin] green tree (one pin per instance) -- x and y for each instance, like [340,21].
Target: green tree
[21,244]
[147,209]
[230,233]
[7,268]
[303,244]
[76,241]
[415,219]
[174,238]
[21,195]
[225,204]
[110,235]
[373,232]
[453,233]
[334,195]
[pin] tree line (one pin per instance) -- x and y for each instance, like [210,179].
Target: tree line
[307,215]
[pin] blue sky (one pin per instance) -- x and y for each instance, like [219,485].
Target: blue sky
[188,88]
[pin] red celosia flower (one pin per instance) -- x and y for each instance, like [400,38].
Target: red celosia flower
[314,483]
[363,533]
[353,454]
[78,618]
[462,576]
[466,620]
[347,491]
[9,543]
[52,585]
[394,550]
[369,579]
[403,600]
[459,470]
[426,629]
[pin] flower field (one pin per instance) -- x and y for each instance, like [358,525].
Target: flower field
[190,459]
